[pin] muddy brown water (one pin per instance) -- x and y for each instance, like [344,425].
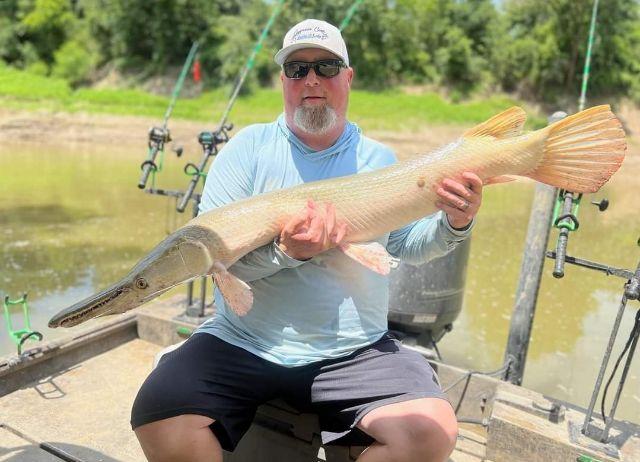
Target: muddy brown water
[73,221]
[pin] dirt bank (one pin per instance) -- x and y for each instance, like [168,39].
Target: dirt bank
[16,127]
[63,128]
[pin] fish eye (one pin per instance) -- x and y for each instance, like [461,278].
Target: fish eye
[141,283]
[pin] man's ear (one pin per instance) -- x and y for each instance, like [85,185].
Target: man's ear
[281,76]
[351,74]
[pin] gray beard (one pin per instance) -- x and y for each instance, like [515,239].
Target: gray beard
[315,120]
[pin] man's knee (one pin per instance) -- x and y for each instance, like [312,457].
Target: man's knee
[433,435]
[418,430]
[184,437]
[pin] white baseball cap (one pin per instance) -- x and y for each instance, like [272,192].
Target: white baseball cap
[312,33]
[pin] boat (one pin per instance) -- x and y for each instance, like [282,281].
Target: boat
[70,399]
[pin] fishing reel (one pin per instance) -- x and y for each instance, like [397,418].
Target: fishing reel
[209,142]
[158,137]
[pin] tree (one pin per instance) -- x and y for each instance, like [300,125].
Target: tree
[531,47]
[47,24]
[545,54]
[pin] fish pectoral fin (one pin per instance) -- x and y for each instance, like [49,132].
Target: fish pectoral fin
[235,291]
[500,179]
[373,255]
[504,125]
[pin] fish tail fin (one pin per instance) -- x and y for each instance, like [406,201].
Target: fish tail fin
[504,125]
[581,152]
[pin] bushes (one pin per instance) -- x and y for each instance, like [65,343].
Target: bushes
[532,47]
[72,62]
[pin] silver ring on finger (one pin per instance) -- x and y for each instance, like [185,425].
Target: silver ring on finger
[465,206]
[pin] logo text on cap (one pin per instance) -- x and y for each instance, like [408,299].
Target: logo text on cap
[310,33]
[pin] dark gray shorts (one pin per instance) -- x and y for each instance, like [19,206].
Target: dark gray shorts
[209,377]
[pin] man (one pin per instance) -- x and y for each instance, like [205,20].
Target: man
[316,335]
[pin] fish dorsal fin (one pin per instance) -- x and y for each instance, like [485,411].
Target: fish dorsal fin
[504,125]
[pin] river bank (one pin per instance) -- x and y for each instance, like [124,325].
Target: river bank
[131,131]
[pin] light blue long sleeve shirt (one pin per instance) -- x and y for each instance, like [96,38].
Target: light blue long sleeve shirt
[326,307]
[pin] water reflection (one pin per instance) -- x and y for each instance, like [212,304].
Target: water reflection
[574,315]
[588,350]
[73,221]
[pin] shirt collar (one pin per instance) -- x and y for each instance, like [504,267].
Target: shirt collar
[350,136]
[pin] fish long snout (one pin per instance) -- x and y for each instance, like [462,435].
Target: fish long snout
[109,301]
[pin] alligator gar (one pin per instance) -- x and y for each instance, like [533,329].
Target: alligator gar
[578,153]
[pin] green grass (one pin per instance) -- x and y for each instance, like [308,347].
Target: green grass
[388,110]
[397,110]
[31,87]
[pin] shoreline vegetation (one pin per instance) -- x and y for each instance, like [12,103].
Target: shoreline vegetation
[395,109]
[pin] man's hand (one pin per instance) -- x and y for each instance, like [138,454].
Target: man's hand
[460,200]
[310,232]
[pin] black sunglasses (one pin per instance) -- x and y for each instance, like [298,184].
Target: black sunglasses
[326,68]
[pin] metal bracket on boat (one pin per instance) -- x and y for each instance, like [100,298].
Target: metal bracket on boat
[583,458]
[577,437]
[631,292]
[608,270]
[554,411]
[542,407]
[565,218]
[19,336]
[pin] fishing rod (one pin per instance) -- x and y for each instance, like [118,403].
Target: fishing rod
[567,221]
[587,61]
[567,203]
[159,136]
[350,12]
[251,61]
[210,140]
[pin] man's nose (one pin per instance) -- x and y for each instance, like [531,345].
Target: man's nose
[311,80]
